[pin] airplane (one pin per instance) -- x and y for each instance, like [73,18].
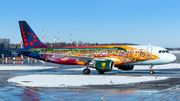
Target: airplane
[103,58]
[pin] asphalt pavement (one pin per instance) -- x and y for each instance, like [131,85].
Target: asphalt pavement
[140,91]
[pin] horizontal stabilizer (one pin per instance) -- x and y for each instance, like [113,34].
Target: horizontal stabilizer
[24,51]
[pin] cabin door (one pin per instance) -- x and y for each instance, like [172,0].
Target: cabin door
[149,52]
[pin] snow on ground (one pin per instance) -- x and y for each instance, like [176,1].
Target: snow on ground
[10,67]
[140,67]
[77,80]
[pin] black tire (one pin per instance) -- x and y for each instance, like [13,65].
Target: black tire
[101,72]
[89,71]
[151,72]
[86,71]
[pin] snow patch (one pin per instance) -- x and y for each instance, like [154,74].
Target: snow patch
[77,80]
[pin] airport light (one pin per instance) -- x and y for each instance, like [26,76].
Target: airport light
[71,38]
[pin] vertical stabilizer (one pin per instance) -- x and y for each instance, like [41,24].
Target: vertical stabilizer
[30,39]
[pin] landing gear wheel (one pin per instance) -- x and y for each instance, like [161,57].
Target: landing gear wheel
[151,72]
[86,71]
[89,71]
[101,72]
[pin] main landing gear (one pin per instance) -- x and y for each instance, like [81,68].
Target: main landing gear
[151,70]
[87,70]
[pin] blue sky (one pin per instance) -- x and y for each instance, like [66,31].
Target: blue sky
[103,21]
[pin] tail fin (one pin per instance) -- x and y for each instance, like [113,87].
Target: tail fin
[30,40]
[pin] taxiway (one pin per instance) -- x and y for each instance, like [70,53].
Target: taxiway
[141,90]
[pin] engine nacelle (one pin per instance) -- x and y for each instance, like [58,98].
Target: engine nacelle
[102,65]
[128,67]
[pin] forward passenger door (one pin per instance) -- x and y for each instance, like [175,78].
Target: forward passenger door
[149,52]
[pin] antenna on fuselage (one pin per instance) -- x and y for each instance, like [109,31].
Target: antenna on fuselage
[149,44]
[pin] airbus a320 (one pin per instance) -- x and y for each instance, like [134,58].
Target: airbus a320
[102,58]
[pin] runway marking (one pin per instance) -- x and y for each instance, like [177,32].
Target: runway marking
[42,94]
[102,98]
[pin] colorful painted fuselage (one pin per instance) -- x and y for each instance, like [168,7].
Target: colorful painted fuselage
[119,54]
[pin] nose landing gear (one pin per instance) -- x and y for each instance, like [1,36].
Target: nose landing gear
[151,70]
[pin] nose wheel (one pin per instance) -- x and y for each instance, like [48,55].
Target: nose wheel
[151,70]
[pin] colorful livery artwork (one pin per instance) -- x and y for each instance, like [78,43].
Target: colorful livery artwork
[119,54]
[102,58]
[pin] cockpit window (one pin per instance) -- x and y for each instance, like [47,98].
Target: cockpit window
[163,51]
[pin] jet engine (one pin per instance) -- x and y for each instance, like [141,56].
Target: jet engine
[125,67]
[102,65]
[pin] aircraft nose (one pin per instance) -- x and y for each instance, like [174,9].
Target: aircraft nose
[172,58]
